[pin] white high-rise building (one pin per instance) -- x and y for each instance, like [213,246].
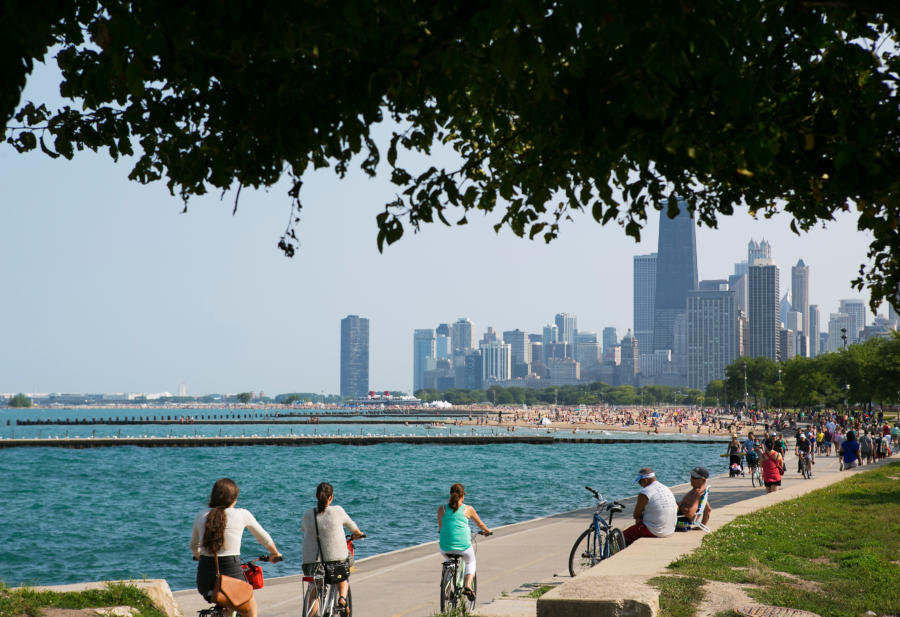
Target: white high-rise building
[759,254]
[856,309]
[567,326]
[496,358]
[800,294]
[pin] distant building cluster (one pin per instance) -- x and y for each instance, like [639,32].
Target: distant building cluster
[686,331]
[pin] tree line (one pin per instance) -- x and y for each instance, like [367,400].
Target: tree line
[866,374]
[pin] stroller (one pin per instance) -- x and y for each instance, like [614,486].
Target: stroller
[734,466]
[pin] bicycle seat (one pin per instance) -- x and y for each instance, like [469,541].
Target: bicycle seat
[616,507]
[453,559]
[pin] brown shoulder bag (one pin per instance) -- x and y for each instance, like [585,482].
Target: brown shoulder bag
[231,592]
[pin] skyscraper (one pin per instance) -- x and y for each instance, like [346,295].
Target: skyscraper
[812,332]
[551,335]
[567,326]
[443,342]
[644,299]
[762,295]
[759,252]
[423,350]
[856,309]
[354,356]
[520,347]
[838,325]
[496,367]
[463,336]
[712,336]
[676,273]
[800,296]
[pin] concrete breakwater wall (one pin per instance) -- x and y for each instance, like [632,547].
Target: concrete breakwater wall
[169,421]
[315,440]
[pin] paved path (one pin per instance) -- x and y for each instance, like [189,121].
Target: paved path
[404,583]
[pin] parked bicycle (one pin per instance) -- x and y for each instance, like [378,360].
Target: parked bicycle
[320,599]
[599,541]
[453,576]
[217,610]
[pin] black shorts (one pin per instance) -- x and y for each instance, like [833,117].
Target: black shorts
[776,483]
[206,572]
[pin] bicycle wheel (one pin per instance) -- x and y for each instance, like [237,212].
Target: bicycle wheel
[754,477]
[616,541]
[312,607]
[448,589]
[585,553]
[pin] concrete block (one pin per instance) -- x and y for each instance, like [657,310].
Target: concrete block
[157,590]
[596,596]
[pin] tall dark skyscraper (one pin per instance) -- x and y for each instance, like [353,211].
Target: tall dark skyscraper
[676,273]
[354,356]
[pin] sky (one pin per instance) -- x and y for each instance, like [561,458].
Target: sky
[108,287]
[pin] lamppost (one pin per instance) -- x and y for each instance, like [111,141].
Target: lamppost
[844,337]
[780,390]
[746,394]
[846,396]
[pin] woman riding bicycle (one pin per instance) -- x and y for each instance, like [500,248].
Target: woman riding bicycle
[331,521]
[217,531]
[455,536]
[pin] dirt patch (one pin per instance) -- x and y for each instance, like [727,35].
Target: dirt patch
[720,597]
[822,560]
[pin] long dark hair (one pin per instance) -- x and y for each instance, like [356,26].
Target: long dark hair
[323,492]
[224,493]
[457,492]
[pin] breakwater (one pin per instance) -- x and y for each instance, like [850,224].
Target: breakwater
[219,421]
[315,440]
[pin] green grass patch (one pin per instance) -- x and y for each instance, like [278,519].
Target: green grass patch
[679,596]
[537,592]
[833,551]
[28,602]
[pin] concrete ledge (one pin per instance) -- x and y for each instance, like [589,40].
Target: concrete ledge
[157,590]
[617,587]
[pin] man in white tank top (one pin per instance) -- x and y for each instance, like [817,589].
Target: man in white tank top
[656,511]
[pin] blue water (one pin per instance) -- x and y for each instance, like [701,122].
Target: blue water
[126,512]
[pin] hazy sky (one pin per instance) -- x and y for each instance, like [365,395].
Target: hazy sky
[108,288]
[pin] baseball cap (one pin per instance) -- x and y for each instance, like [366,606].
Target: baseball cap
[700,472]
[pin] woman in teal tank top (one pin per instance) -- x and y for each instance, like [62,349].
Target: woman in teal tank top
[455,539]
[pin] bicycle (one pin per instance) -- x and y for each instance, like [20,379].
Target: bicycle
[217,610]
[315,588]
[805,468]
[599,541]
[453,581]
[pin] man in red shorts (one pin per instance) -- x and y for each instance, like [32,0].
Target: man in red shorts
[656,510]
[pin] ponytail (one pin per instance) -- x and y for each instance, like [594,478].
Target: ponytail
[323,493]
[457,492]
[224,493]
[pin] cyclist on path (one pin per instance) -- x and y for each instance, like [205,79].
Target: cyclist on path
[455,537]
[331,521]
[217,532]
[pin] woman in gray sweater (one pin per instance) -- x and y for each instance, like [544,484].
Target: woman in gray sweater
[332,520]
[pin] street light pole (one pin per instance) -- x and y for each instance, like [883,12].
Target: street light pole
[746,394]
[844,337]
[781,391]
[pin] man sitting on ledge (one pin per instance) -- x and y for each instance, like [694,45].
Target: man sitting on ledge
[687,509]
[656,509]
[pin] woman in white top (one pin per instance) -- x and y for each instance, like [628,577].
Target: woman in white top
[217,531]
[331,520]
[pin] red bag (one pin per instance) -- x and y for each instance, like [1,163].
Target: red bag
[254,574]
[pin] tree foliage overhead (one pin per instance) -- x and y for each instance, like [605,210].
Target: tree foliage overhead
[552,107]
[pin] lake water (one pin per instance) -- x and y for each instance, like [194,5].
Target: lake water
[126,512]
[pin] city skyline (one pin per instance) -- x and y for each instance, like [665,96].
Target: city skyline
[109,288]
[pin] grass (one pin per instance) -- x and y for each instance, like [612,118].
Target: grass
[833,552]
[537,592]
[28,602]
[679,596]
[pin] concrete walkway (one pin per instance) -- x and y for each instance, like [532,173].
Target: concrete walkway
[405,583]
